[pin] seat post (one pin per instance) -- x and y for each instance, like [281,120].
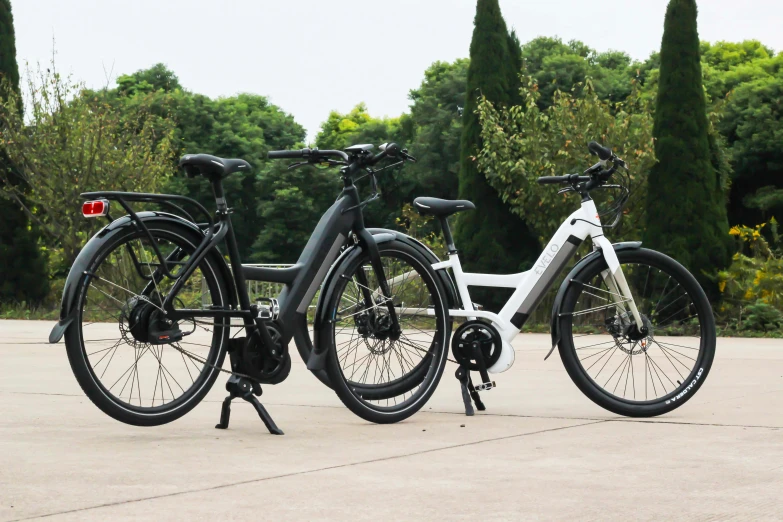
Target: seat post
[444,224]
[220,199]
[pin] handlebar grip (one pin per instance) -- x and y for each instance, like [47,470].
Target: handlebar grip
[288,154]
[552,180]
[596,149]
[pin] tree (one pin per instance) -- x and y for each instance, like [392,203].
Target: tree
[242,126]
[291,204]
[558,66]
[356,127]
[686,211]
[74,144]
[522,143]
[23,266]
[492,239]
[753,125]
[435,130]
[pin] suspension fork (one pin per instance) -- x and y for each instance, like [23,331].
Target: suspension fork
[366,241]
[616,282]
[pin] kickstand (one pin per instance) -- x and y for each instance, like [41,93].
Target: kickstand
[468,391]
[242,387]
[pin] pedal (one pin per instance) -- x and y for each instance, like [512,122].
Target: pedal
[269,311]
[486,386]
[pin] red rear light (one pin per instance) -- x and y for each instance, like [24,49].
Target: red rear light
[97,208]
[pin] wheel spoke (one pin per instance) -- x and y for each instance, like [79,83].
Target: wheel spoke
[666,308]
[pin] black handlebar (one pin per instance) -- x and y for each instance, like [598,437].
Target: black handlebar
[309,154]
[596,149]
[390,150]
[287,154]
[554,180]
[596,176]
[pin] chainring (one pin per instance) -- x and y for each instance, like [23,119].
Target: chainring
[488,339]
[267,366]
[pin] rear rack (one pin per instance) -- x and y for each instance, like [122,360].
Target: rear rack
[142,197]
[164,200]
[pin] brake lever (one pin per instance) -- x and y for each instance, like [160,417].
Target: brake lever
[567,189]
[405,155]
[298,164]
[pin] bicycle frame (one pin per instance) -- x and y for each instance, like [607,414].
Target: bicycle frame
[342,222]
[531,286]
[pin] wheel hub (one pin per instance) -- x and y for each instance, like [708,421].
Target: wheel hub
[378,326]
[135,318]
[628,336]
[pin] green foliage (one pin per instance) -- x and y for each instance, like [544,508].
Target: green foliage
[420,227]
[74,144]
[291,204]
[557,66]
[9,69]
[686,212]
[753,125]
[752,286]
[491,238]
[243,126]
[23,264]
[524,142]
[358,127]
[756,271]
[762,317]
[437,129]
[145,81]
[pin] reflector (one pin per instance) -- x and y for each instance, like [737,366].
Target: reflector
[97,208]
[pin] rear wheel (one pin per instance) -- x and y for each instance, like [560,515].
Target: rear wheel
[630,372]
[382,372]
[109,346]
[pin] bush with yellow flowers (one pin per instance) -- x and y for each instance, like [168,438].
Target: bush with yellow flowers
[752,286]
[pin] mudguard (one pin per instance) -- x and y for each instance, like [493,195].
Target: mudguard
[317,359]
[574,274]
[68,310]
[452,295]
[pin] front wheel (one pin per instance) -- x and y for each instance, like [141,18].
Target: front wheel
[632,372]
[384,369]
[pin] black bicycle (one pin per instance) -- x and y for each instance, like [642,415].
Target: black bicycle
[148,305]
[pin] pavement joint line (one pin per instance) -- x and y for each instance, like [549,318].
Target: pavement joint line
[628,420]
[306,472]
[743,396]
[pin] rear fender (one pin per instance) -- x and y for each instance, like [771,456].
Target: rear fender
[68,308]
[572,278]
[452,295]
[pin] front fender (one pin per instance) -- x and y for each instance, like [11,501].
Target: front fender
[317,359]
[68,309]
[574,274]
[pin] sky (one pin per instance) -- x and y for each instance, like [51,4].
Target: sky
[313,56]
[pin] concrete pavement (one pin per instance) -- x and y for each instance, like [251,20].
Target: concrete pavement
[541,451]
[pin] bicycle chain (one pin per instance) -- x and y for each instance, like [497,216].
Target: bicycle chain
[205,363]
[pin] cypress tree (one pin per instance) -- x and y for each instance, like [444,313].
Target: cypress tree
[686,208]
[22,267]
[490,239]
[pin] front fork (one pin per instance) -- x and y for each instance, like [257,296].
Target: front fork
[616,282]
[366,241]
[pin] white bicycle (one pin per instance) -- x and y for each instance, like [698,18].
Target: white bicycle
[634,328]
